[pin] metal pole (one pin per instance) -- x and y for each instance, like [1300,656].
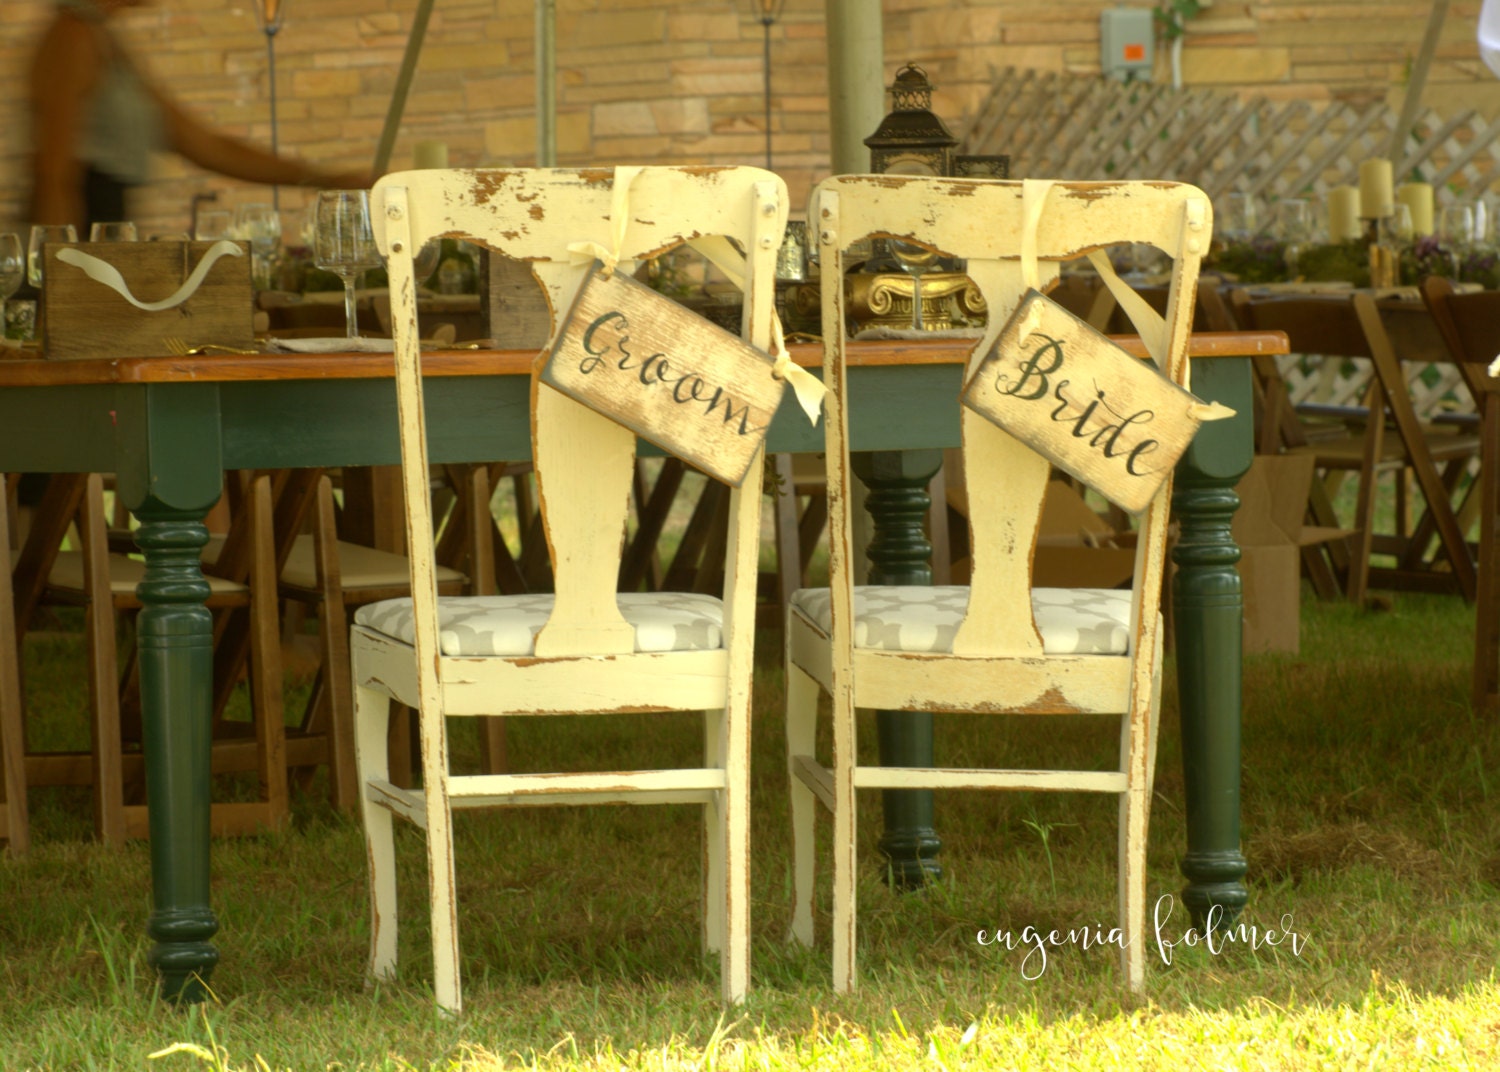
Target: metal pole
[1415,85]
[766,22]
[403,86]
[546,83]
[271,74]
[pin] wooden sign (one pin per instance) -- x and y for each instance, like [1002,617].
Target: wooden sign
[87,318]
[665,373]
[1083,403]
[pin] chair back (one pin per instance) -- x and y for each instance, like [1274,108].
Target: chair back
[1470,327]
[1314,324]
[557,221]
[982,222]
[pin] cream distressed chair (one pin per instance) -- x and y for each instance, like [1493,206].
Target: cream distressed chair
[974,649]
[584,649]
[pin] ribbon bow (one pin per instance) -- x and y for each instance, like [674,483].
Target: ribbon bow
[807,387]
[619,220]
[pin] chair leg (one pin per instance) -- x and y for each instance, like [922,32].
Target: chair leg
[104,671]
[713,838]
[735,818]
[334,634]
[265,659]
[844,826]
[1138,733]
[801,733]
[441,887]
[1364,512]
[17,824]
[372,710]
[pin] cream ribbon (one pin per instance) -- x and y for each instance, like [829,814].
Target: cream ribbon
[1152,328]
[101,271]
[1033,200]
[619,222]
[808,389]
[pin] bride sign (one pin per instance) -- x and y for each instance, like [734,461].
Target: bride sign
[1083,403]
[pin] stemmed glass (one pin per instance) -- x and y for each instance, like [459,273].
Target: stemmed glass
[261,225]
[115,231]
[1293,228]
[12,265]
[1455,235]
[345,244]
[914,260]
[41,234]
[12,271]
[213,224]
[1240,223]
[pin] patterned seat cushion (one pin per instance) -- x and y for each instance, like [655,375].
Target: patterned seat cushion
[1072,621]
[508,625]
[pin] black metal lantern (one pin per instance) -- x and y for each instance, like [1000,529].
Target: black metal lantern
[911,140]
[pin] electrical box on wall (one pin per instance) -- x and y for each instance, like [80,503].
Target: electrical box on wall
[1126,43]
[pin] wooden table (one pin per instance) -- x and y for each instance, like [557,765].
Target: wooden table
[169,427]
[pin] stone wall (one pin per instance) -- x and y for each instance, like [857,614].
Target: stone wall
[644,81]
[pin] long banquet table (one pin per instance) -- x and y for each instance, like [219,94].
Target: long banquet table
[169,427]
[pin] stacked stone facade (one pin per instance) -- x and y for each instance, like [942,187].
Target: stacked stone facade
[666,81]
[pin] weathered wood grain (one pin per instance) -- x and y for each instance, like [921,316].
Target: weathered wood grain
[667,374]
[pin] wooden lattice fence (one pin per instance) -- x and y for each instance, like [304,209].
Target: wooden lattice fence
[1075,127]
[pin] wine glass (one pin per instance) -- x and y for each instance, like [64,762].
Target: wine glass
[213,224]
[426,261]
[12,265]
[914,260]
[260,224]
[19,321]
[344,243]
[1455,235]
[1293,228]
[114,231]
[41,234]
[1240,218]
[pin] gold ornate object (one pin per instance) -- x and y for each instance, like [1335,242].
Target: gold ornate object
[949,300]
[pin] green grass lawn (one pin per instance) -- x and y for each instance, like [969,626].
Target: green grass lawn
[1367,823]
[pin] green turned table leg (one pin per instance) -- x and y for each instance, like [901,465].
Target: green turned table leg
[1208,607]
[170,476]
[900,554]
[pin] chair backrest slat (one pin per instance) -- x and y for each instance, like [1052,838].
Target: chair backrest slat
[982,221]
[555,220]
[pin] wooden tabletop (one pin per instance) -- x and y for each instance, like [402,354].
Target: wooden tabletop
[32,371]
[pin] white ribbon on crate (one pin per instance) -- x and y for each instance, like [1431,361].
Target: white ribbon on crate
[101,271]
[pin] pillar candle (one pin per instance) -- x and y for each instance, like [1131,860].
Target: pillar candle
[1375,199]
[1417,196]
[1343,214]
[429,154]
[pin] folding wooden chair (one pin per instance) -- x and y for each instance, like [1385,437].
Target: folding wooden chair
[584,649]
[104,584]
[998,645]
[1470,327]
[1358,441]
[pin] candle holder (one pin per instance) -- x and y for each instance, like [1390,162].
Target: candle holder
[1386,236]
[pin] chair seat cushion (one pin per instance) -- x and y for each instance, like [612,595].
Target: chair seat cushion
[508,625]
[1072,621]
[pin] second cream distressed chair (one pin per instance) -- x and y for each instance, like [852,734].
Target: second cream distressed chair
[584,649]
[999,645]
